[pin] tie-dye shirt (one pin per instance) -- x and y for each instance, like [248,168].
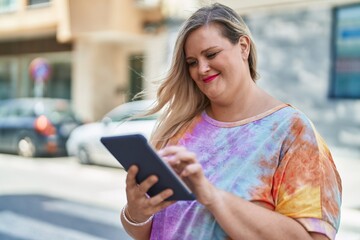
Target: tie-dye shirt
[276,158]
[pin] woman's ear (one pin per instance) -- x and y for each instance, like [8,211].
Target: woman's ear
[244,42]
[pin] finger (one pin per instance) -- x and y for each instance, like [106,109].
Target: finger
[191,170]
[131,176]
[161,197]
[156,208]
[170,150]
[154,204]
[182,160]
[177,155]
[145,185]
[163,205]
[187,156]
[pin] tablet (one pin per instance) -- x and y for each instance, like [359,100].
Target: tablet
[134,149]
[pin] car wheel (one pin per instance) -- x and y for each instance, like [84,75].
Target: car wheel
[26,147]
[83,156]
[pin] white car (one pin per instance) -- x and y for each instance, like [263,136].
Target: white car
[84,141]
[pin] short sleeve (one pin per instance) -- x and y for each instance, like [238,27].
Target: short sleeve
[307,186]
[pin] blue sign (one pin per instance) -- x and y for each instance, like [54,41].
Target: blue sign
[40,70]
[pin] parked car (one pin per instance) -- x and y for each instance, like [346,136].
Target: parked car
[34,127]
[84,141]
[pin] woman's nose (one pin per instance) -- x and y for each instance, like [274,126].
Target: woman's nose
[203,67]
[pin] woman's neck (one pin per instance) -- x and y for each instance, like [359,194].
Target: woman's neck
[250,102]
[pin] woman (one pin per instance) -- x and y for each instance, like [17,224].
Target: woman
[257,166]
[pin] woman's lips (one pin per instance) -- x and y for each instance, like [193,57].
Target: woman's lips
[210,78]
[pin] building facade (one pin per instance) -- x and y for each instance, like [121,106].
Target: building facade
[309,56]
[95,49]
[102,52]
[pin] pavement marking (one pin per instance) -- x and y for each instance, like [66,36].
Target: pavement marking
[85,212]
[16,225]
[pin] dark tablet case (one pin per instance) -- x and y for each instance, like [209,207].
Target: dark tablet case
[134,150]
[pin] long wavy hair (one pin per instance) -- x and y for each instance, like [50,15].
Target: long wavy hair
[178,95]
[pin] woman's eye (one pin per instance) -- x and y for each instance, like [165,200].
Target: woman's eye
[211,55]
[192,63]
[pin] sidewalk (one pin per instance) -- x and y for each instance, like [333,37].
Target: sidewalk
[348,165]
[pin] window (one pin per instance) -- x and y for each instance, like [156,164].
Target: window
[136,75]
[147,3]
[59,86]
[38,2]
[7,81]
[7,6]
[59,83]
[345,70]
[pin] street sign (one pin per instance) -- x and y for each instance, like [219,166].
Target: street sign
[39,70]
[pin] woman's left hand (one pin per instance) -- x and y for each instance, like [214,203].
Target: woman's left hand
[190,170]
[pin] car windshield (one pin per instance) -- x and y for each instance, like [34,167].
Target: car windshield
[126,111]
[57,110]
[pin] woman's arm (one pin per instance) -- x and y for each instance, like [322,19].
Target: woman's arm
[242,219]
[137,232]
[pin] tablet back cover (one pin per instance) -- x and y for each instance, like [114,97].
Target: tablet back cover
[134,150]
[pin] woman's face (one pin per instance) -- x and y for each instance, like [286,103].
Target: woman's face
[218,67]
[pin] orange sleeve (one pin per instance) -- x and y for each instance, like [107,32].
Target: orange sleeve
[307,186]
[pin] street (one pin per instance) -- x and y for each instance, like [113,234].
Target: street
[57,198]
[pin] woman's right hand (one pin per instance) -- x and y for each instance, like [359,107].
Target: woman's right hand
[140,206]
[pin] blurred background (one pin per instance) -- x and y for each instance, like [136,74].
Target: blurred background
[70,68]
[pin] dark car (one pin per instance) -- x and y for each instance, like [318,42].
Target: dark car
[34,127]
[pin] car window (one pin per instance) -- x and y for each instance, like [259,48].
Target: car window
[56,110]
[12,109]
[3,109]
[132,116]
[23,110]
[151,117]
[126,111]
[120,115]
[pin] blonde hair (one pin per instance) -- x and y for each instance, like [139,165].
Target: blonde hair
[178,94]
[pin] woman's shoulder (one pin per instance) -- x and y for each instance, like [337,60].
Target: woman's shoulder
[294,122]
[300,126]
[295,116]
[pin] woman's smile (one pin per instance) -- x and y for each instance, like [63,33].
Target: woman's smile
[210,78]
